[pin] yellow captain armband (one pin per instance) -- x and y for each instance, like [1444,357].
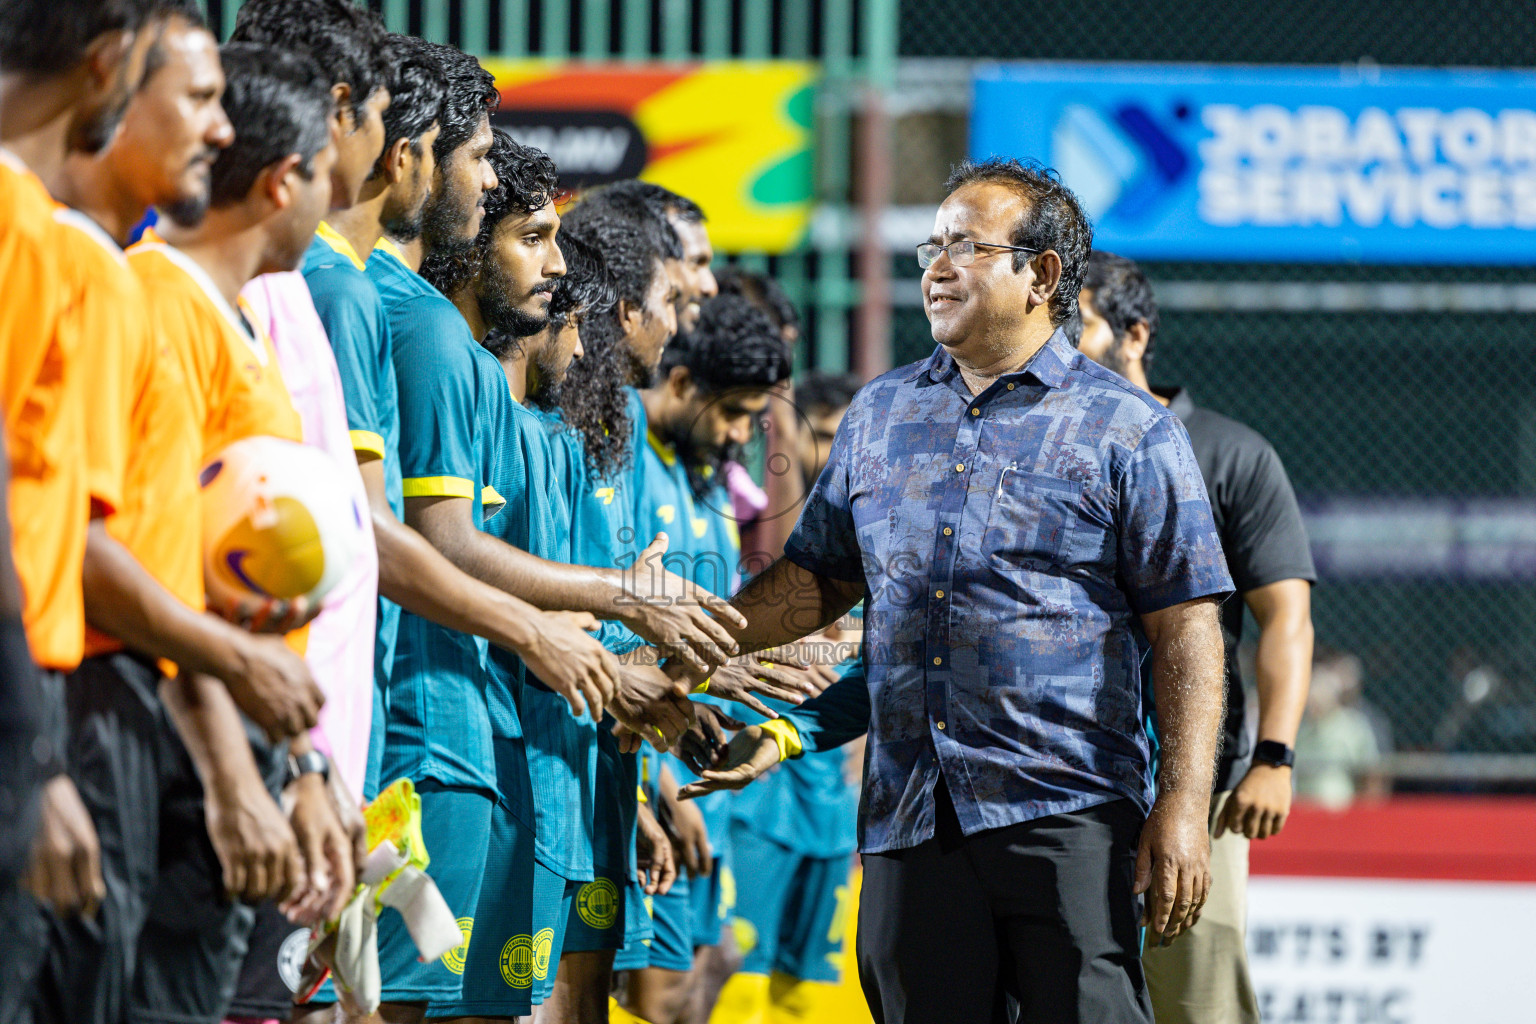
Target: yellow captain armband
[702,687]
[640,796]
[786,736]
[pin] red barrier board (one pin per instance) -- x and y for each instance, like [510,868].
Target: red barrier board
[1488,839]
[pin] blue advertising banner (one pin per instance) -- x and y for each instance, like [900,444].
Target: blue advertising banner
[1204,162]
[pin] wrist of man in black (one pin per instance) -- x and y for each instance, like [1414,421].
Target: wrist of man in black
[1274,754]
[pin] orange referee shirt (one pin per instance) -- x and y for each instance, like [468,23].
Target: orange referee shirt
[233,382]
[140,417]
[236,388]
[43,395]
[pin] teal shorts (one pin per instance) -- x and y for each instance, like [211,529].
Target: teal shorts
[500,960]
[713,897]
[454,823]
[597,918]
[790,920]
[638,932]
[672,923]
[553,895]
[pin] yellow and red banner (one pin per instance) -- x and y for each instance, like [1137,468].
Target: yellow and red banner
[734,136]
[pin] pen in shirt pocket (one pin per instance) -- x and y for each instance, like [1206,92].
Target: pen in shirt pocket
[1012,467]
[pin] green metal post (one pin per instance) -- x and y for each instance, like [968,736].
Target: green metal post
[676,25]
[636,30]
[514,28]
[555,38]
[434,21]
[596,23]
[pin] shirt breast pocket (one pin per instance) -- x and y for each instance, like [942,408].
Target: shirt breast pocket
[1034,523]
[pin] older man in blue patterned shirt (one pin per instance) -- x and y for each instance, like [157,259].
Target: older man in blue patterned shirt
[1026,525]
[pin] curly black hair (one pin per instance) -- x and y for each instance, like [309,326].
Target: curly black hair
[592,398]
[526,183]
[613,211]
[735,345]
[345,39]
[471,95]
[663,201]
[417,87]
[1053,219]
[587,286]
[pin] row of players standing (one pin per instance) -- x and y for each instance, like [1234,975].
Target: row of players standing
[433,257]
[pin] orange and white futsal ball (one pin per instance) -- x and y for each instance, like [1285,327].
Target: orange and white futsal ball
[278,522]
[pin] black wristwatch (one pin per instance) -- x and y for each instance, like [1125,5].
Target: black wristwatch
[1274,753]
[311,761]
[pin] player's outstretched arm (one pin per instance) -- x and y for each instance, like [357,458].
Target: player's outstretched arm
[750,753]
[786,602]
[1173,863]
[268,681]
[422,579]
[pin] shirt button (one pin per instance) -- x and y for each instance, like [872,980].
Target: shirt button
[1010,387]
[975,412]
[941,726]
[938,661]
[938,594]
[948,531]
[959,467]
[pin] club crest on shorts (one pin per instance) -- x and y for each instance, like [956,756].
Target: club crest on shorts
[455,957]
[597,903]
[525,958]
[291,956]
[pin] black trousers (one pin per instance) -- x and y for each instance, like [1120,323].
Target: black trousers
[1035,923]
[166,944]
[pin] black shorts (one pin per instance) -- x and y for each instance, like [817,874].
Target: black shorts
[1031,922]
[166,943]
[270,975]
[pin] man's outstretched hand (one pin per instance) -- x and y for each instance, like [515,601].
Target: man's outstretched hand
[682,619]
[1173,866]
[750,753]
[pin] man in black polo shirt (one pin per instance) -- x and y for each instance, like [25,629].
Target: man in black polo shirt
[1204,978]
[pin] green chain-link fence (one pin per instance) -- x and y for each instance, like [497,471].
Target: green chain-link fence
[1402,399]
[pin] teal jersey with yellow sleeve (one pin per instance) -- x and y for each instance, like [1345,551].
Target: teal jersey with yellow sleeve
[561,749]
[439,725]
[358,329]
[704,549]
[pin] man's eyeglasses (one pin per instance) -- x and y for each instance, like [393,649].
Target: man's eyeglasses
[961,254]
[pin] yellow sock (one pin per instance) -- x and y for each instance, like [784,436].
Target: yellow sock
[796,1001]
[618,1015]
[743,1000]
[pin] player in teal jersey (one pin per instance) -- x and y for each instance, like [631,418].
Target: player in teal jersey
[715,383]
[438,729]
[501,285]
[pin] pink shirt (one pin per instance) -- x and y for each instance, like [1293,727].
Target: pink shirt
[340,652]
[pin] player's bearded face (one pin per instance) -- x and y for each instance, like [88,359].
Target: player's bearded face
[452,216]
[648,329]
[522,264]
[176,125]
[505,300]
[403,219]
